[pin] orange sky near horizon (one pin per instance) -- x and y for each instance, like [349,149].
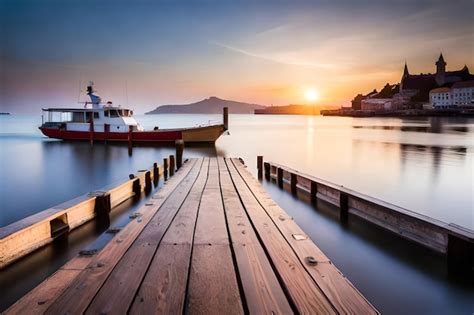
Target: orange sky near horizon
[147,54]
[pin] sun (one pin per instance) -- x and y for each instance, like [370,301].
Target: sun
[311,95]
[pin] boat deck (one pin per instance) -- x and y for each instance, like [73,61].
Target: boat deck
[211,241]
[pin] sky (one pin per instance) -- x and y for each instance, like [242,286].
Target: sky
[146,53]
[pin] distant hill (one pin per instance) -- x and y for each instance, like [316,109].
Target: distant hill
[293,109]
[211,105]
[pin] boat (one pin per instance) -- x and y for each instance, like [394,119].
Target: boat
[106,122]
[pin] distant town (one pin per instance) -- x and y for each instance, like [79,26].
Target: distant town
[440,93]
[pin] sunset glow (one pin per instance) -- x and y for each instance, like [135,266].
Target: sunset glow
[311,95]
[185,52]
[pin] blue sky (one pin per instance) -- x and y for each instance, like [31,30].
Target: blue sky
[267,52]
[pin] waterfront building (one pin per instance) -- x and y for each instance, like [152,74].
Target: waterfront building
[441,98]
[460,95]
[414,89]
[424,83]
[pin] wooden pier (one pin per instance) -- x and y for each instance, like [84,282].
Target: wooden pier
[211,241]
[456,242]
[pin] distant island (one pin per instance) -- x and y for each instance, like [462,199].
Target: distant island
[211,105]
[292,109]
[4,113]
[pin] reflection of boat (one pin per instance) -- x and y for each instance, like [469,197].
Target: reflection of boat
[99,121]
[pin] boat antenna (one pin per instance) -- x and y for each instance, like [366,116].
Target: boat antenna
[126,91]
[79,90]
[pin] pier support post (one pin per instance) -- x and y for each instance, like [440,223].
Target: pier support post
[147,181]
[280,177]
[260,166]
[293,182]
[136,187]
[179,153]
[460,256]
[106,132]
[266,166]
[91,132]
[165,168]
[226,118]
[343,207]
[102,207]
[313,191]
[172,167]
[156,174]
[130,140]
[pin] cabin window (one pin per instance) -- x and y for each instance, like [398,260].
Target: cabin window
[96,115]
[78,117]
[88,116]
[113,113]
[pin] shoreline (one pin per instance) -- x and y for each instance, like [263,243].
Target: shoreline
[401,113]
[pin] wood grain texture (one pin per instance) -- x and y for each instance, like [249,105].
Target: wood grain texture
[40,298]
[303,291]
[118,291]
[212,287]
[342,294]
[262,290]
[78,295]
[164,286]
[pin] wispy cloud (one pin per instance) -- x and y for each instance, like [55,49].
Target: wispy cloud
[276,59]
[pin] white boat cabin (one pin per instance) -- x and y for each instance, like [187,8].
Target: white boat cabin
[104,117]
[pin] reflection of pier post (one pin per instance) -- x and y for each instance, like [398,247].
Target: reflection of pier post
[130,141]
[91,131]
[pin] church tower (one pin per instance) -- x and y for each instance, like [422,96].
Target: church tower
[405,71]
[440,70]
[405,75]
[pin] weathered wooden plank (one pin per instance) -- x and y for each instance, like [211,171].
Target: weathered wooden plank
[118,291]
[212,285]
[305,294]
[211,219]
[262,290]
[40,298]
[78,295]
[342,294]
[163,288]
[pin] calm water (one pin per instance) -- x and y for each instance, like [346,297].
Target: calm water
[425,165]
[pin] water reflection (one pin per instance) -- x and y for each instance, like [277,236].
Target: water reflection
[427,125]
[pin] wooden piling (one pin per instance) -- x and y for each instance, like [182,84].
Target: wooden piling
[156,174]
[280,177]
[179,153]
[343,207]
[226,118]
[130,140]
[266,166]
[172,165]
[165,168]
[148,181]
[91,132]
[136,188]
[260,166]
[106,132]
[293,182]
[313,191]
[102,207]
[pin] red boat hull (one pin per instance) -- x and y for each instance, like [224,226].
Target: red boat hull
[198,134]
